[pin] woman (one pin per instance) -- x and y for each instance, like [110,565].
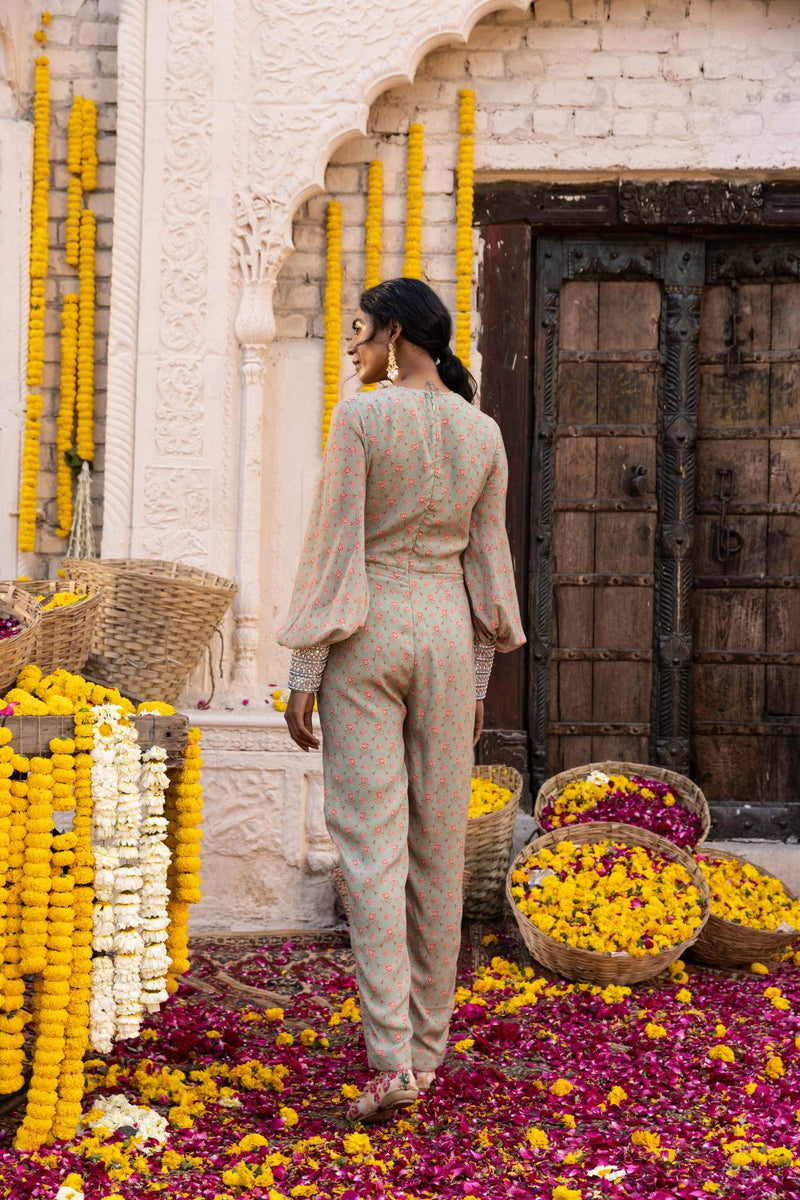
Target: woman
[403,593]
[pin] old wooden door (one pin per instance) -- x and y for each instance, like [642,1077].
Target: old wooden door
[745,625]
[665,527]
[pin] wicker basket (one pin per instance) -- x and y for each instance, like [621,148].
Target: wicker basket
[488,847]
[337,878]
[155,620]
[726,944]
[588,965]
[688,793]
[16,651]
[63,635]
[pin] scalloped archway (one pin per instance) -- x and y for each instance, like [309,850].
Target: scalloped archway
[229,111]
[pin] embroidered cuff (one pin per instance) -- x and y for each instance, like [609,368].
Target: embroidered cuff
[307,668]
[484,657]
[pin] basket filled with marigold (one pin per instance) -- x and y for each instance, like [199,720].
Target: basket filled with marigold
[753,914]
[666,803]
[69,610]
[606,903]
[494,801]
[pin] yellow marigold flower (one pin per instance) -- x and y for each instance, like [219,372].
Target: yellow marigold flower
[464,1045]
[350,1091]
[537,1139]
[723,1053]
[308,1037]
[568,1120]
[284,1039]
[356,1143]
[750,1087]
[617,1095]
[771,993]
[655,1031]
[720,1030]
[562,1087]
[775,1068]
[562,1192]
[289,1116]
[646,1138]
[684,996]
[759,969]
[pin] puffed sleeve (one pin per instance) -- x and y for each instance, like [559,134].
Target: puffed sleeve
[331,598]
[488,573]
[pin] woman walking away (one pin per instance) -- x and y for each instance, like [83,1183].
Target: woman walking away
[403,593]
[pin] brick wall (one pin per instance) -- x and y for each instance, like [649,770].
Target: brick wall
[81,47]
[575,88]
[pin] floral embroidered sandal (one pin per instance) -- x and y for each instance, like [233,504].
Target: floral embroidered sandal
[385,1094]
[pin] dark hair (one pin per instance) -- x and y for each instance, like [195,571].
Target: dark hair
[425,322]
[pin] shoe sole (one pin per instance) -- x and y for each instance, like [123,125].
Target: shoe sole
[385,1111]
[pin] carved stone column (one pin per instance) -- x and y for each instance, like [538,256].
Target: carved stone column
[262,238]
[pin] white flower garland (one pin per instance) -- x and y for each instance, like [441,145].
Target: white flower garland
[116,1112]
[131,921]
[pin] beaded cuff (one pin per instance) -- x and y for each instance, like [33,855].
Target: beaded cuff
[484,657]
[307,668]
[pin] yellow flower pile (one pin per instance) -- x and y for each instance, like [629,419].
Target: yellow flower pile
[742,894]
[412,263]
[464,206]
[487,797]
[60,600]
[39,253]
[608,898]
[331,356]
[60,693]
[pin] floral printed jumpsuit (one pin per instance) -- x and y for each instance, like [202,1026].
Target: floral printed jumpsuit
[404,590]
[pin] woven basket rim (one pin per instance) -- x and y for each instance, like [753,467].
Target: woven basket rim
[516,790]
[21,604]
[93,591]
[158,569]
[682,783]
[616,830]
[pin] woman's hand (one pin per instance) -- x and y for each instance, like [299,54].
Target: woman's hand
[478,727]
[299,720]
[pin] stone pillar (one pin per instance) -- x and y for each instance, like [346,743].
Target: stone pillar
[262,239]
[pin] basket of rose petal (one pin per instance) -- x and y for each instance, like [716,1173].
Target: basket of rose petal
[662,801]
[606,903]
[494,800]
[20,617]
[753,914]
[69,610]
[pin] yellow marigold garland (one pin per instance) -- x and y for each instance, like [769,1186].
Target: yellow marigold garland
[88,145]
[412,263]
[12,1053]
[36,868]
[84,399]
[183,808]
[373,230]
[66,411]
[39,248]
[464,209]
[74,186]
[333,316]
[373,233]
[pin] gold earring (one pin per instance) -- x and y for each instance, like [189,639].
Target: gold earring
[392,369]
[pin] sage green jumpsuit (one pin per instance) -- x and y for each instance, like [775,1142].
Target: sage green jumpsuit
[405,575]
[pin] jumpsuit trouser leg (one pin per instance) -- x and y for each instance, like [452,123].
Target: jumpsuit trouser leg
[396,705]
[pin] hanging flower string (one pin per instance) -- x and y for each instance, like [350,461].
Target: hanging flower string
[39,249]
[66,411]
[464,209]
[84,401]
[331,362]
[412,263]
[373,239]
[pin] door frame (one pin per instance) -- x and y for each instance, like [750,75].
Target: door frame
[511,215]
